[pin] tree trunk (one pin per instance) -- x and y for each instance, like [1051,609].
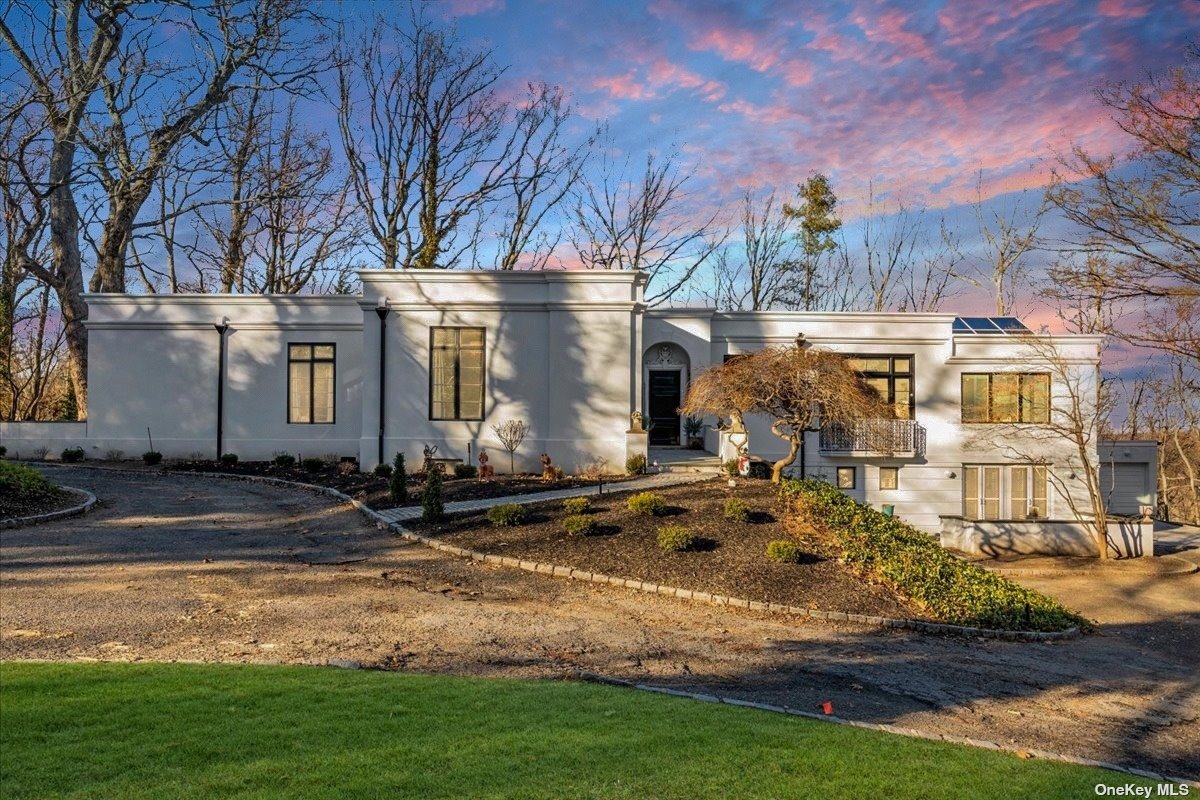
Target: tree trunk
[68,267]
[779,466]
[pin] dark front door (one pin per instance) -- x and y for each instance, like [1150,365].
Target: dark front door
[664,405]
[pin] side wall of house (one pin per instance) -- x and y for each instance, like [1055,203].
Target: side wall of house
[154,364]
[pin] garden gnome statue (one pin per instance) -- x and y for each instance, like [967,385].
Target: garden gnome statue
[548,473]
[485,472]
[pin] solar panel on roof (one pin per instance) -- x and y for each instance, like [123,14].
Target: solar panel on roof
[988,325]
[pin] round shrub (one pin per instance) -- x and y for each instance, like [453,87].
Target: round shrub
[72,455]
[636,464]
[229,459]
[675,538]
[576,505]
[580,524]
[383,470]
[465,471]
[648,503]
[784,551]
[284,460]
[731,468]
[506,515]
[151,457]
[737,510]
[313,464]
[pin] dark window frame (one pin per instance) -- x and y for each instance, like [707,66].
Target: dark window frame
[891,376]
[1020,420]
[458,417]
[312,379]
[853,478]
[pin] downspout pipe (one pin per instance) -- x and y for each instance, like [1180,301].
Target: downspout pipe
[382,310]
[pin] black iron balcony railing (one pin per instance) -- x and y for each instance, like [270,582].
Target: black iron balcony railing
[875,436]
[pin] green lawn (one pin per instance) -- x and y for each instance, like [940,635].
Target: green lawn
[179,731]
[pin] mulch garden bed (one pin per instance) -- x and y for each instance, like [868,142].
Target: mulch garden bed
[55,500]
[373,490]
[729,559]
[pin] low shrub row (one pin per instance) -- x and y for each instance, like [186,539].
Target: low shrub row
[951,589]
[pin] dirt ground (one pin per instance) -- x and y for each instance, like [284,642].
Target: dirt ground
[180,567]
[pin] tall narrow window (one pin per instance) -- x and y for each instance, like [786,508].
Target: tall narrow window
[311,384]
[889,477]
[456,364]
[1006,397]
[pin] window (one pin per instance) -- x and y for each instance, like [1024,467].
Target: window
[310,384]
[1005,492]
[456,373]
[892,377]
[889,477]
[1006,397]
[846,477]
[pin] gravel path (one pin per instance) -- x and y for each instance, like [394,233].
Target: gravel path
[179,567]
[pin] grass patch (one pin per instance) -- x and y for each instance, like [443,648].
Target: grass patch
[951,589]
[199,731]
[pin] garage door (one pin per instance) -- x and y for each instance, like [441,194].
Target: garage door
[1128,487]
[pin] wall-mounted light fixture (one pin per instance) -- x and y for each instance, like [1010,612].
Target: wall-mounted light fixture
[951,474]
[221,326]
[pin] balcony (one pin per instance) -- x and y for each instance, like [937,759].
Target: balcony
[875,437]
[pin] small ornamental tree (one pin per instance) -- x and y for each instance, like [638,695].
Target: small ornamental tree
[796,387]
[432,506]
[398,481]
[511,433]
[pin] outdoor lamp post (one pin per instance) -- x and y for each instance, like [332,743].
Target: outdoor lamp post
[382,310]
[221,326]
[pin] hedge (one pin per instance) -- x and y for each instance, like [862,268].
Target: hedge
[949,588]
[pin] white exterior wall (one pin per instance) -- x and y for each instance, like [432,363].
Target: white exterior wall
[930,484]
[560,355]
[27,439]
[153,363]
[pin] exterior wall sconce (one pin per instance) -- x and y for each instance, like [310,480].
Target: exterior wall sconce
[951,474]
[221,326]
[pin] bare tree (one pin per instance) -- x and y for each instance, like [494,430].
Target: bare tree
[1139,215]
[1008,239]
[794,386]
[757,276]
[64,62]
[511,434]
[431,146]
[628,222]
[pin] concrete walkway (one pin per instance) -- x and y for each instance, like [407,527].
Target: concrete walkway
[638,484]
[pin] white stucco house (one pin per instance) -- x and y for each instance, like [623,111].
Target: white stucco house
[439,357]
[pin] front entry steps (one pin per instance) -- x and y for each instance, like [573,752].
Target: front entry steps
[680,459]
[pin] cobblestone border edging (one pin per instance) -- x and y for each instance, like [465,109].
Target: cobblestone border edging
[1026,752]
[560,571]
[89,502]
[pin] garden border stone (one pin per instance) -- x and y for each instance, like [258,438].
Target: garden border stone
[1024,752]
[89,502]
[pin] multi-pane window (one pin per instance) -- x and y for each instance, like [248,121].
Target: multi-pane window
[456,358]
[310,384]
[1005,492]
[1006,397]
[891,377]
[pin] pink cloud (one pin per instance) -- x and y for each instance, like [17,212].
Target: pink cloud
[1123,9]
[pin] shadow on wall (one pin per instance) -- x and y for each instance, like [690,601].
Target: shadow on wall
[564,372]
[1002,538]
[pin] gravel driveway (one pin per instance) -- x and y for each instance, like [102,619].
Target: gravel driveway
[178,567]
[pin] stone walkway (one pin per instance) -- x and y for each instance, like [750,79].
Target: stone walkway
[649,482]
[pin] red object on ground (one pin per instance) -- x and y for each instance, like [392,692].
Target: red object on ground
[826,706]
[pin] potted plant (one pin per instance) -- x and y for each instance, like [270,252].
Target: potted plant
[693,428]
